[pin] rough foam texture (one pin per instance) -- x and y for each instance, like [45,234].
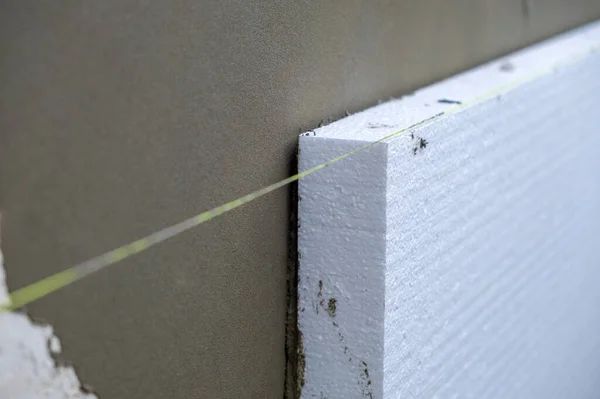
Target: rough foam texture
[469,269]
[27,369]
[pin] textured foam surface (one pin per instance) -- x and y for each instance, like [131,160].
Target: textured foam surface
[468,268]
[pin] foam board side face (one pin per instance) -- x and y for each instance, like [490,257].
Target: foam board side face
[341,245]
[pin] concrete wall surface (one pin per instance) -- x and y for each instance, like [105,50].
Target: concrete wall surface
[119,117]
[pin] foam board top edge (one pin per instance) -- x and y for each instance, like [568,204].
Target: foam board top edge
[506,72]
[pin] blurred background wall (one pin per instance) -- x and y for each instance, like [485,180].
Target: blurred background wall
[119,117]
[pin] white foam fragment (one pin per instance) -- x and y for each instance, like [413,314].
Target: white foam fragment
[27,369]
[468,268]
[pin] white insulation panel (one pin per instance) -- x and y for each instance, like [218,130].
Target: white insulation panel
[460,258]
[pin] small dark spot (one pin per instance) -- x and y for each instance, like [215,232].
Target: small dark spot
[415,150]
[336,325]
[346,113]
[422,143]
[365,368]
[331,307]
[412,136]
[320,296]
[446,101]
[378,125]
[427,105]
[367,391]
[507,67]
[345,350]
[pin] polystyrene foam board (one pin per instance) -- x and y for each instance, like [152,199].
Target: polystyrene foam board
[469,267]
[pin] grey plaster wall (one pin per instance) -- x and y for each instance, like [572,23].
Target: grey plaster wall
[119,117]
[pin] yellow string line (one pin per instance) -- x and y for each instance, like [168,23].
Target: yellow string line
[48,285]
